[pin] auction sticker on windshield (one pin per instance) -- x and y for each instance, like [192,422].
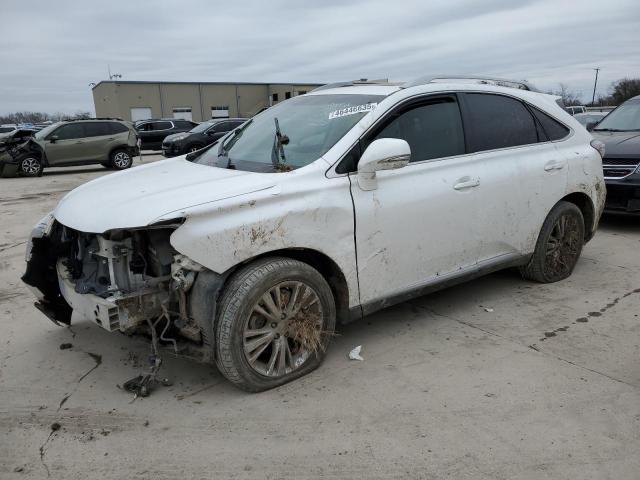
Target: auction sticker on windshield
[343,112]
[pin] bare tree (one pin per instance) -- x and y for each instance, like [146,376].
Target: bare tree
[569,97]
[39,117]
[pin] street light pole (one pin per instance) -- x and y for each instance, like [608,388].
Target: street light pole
[595,84]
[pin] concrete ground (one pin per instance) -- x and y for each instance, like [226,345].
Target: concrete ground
[494,379]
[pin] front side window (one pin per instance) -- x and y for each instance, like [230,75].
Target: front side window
[497,121]
[432,131]
[625,118]
[70,131]
[162,126]
[309,126]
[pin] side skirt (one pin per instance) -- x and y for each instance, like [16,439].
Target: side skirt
[438,282]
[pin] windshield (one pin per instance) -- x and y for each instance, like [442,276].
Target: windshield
[46,131]
[202,127]
[291,134]
[625,118]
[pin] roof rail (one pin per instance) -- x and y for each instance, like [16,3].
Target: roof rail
[351,83]
[91,118]
[499,82]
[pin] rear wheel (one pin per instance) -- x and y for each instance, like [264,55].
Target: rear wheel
[559,245]
[31,166]
[274,324]
[121,159]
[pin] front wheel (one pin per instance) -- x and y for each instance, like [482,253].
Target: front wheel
[120,159]
[275,321]
[31,166]
[559,245]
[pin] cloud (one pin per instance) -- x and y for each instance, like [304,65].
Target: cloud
[52,51]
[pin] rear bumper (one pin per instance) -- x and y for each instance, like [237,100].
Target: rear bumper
[623,196]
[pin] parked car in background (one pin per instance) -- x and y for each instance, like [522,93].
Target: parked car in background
[153,132]
[576,109]
[199,137]
[324,208]
[9,144]
[112,143]
[620,132]
[590,119]
[7,128]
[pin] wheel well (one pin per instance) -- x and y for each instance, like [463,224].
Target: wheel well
[327,268]
[583,202]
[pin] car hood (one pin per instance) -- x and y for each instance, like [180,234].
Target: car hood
[143,195]
[619,144]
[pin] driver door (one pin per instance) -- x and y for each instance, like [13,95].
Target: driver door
[418,224]
[68,147]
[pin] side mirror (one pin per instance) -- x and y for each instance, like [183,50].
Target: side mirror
[211,132]
[53,138]
[381,154]
[590,125]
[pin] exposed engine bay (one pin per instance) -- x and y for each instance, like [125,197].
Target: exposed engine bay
[132,281]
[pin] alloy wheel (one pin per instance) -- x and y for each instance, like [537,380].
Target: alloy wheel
[283,329]
[30,165]
[121,160]
[563,245]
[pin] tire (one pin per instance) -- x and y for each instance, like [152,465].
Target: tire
[120,159]
[559,245]
[279,355]
[193,148]
[30,166]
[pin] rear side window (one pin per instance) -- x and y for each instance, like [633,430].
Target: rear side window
[97,129]
[117,127]
[550,127]
[496,121]
[183,124]
[162,126]
[432,130]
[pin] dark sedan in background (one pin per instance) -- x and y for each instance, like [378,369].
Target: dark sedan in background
[199,137]
[620,132]
[152,132]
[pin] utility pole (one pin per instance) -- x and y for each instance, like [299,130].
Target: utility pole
[595,84]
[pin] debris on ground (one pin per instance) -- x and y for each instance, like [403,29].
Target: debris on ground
[55,426]
[355,353]
[488,309]
[66,346]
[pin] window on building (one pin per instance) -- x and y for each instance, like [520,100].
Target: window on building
[220,111]
[497,121]
[274,97]
[183,113]
[301,92]
[287,95]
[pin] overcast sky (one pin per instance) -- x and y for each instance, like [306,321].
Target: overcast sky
[52,50]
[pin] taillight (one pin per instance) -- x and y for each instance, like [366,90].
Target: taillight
[599,146]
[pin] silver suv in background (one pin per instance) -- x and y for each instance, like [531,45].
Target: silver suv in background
[109,142]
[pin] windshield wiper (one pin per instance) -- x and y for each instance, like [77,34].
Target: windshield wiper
[235,134]
[277,154]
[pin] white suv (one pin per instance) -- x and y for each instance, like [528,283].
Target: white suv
[323,208]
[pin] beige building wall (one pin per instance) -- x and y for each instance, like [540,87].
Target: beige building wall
[116,99]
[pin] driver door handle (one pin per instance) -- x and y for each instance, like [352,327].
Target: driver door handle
[466,182]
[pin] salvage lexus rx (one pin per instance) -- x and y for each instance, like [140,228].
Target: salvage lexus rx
[322,209]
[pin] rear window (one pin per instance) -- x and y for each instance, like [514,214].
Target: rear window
[497,121]
[551,128]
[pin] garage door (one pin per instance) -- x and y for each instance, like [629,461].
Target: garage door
[183,113]
[140,113]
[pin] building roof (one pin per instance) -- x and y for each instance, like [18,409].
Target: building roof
[143,82]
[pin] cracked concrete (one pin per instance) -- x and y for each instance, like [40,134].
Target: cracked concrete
[446,390]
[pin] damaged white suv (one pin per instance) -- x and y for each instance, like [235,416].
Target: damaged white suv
[323,208]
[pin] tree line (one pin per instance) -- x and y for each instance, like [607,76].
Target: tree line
[41,117]
[619,92]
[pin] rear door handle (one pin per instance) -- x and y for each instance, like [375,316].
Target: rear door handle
[466,182]
[553,165]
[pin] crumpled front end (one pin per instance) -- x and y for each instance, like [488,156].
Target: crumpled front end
[131,281]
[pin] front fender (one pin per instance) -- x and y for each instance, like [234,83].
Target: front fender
[292,215]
